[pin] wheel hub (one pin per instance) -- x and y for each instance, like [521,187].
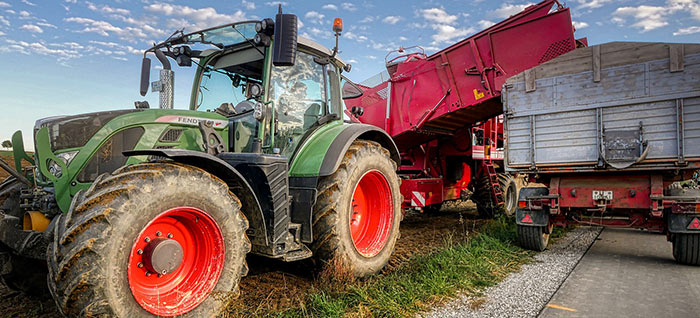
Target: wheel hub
[162,256]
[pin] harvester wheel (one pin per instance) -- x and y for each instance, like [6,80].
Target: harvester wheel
[152,239]
[686,248]
[19,273]
[358,210]
[484,201]
[533,237]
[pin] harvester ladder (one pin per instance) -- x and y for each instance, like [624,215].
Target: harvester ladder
[497,192]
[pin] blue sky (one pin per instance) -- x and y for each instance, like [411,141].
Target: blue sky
[76,56]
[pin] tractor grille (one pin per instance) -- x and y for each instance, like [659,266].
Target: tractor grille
[556,49]
[171,135]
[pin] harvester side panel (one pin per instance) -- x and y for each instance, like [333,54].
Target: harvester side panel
[460,85]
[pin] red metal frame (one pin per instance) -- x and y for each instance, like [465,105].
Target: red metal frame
[443,110]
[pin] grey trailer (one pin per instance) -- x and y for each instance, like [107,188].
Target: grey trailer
[611,133]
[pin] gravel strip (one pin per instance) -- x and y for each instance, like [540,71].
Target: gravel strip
[524,294]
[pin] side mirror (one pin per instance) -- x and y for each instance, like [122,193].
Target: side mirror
[145,75]
[285,45]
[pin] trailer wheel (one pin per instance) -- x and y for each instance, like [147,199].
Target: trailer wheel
[154,239]
[358,210]
[686,248]
[484,201]
[19,273]
[533,237]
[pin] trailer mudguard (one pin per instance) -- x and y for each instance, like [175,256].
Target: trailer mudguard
[532,217]
[218,167]
[322,152]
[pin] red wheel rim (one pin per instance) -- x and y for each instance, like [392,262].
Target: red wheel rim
[202,261]
[372,214]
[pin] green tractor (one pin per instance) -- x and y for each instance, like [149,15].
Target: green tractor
[151,212]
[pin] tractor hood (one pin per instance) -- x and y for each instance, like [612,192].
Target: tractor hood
[74,131]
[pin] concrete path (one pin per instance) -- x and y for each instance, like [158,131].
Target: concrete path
[628,273]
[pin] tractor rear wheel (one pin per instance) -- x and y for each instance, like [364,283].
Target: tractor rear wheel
[358,210]
[686,248]
[153,239]
[19,273]
[485,204]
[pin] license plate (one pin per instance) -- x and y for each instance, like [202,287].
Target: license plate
[602,195]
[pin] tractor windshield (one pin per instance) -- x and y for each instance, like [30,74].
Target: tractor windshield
[221,36]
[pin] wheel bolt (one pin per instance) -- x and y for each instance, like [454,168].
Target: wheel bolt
[140,265]
[158,233]
[140,251]
[148,274]
[170,235]
[147,239]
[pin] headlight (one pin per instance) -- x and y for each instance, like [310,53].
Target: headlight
[67,157]
[259,111]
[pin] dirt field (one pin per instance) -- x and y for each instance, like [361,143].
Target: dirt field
[272,286]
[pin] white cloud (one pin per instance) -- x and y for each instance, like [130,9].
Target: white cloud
[248,5]
[591,4]
[580,25]
[353,61]
[2,33]
[392,19]
[371,57]
[72,1]
[352,36]
[330,7]
[315,17]
[184,16]
[4,5]
[506,10]
[29,3]
[348,6]
[403,38]
[438,15]
[107,9]
[276,3]
[24,14]
[107,29]
[647,17]
[483,24]
[40,48]
[446,33]
[32,28]
[688,30]
[368,19]
[48,25]
[4,21]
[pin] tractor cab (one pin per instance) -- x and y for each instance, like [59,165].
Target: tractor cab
[271,101]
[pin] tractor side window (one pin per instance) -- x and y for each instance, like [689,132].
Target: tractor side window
[300,99]
[217,88]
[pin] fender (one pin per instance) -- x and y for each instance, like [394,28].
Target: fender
[216,166]
[537,217]
[341,143]
[322,152]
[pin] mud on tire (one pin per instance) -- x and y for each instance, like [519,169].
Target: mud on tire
[88,272]
[333,211]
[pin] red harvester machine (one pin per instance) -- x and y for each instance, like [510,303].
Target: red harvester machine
[444,110]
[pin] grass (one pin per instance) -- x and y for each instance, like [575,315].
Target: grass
[468,266]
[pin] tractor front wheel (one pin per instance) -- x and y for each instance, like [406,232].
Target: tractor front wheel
[358,211]
[154,239]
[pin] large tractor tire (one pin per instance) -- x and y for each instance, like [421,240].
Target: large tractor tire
[153,239]
[485,204]
[686,248]
[19,273]
[358,211]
